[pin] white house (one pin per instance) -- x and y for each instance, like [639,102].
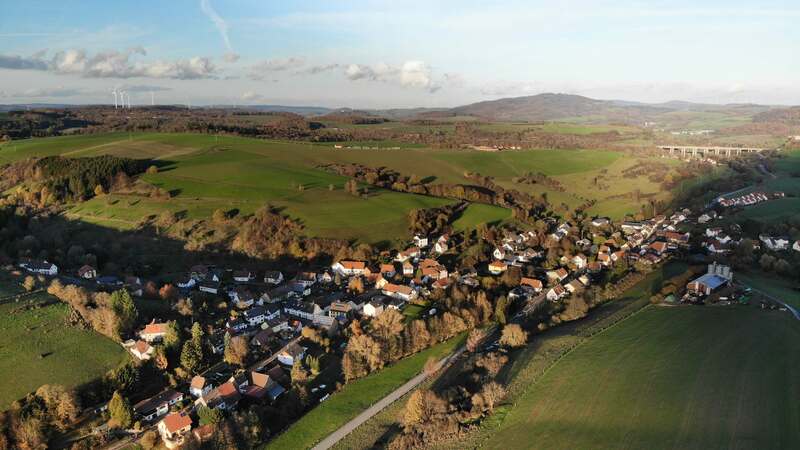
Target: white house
[580,261]
[243,276]
[497,267]
[142,350]
[556,293]
[173,428]
[399,291]
[420,241]
[273,277]
[154,332]
[373,308]
[42,268]
[199,387]
[350,267]
[532,282]
[255,316]
[441,244]
[291,353]
[557,275]
[775,243]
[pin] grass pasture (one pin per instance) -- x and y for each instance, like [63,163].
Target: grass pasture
[207,172]
[37,347]
[478,214]
[685,377]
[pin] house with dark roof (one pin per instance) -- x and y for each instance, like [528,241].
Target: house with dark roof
[273,277]
[156,406]
[225,397]
[42,268]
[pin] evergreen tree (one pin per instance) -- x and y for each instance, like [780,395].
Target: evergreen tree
[192,355]
[125,309]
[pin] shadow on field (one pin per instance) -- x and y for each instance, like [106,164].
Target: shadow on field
[142,252]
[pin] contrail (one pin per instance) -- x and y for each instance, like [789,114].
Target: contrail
[219,22]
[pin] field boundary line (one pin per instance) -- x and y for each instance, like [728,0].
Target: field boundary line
[583,339]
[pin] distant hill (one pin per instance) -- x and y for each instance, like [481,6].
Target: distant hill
[301,110]
[788,116]
[546,107]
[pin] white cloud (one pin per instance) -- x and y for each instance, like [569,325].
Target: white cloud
[112,64]
[261,70]
[411,74]
[230,57]
[378,72]
[313,70]
[416,74]
[251,96]
[219,22]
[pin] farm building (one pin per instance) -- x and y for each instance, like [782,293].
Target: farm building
[717,277]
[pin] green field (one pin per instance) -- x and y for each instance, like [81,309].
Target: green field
[207,172]
[685,377]
[787,180]
[71,356]
[355,397]
[478,214]
[781,288]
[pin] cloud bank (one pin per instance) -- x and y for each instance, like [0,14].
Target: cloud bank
[112,64]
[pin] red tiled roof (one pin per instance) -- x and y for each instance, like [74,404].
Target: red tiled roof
[532,282]
[198,382]
[155,328]
[142,347]
[397,288]
[177,421]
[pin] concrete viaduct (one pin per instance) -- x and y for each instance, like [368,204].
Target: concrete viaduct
[700,151]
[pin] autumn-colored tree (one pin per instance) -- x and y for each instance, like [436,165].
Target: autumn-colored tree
[356,285]
[387,325]
[62,404]
[168,292]
[29,284]
[299,373]
[474,339]
[237,351]
[160,358]
[513,336]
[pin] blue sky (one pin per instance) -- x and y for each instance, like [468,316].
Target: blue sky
[397,53]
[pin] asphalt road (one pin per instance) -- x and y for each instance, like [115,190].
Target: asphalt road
[367,414]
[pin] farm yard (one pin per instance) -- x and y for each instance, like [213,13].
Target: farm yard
[683,377]
[37,347]
[206,172]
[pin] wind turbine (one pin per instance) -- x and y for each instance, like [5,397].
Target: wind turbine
[152,98]
[114,91]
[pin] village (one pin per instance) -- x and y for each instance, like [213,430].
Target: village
[275,315]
